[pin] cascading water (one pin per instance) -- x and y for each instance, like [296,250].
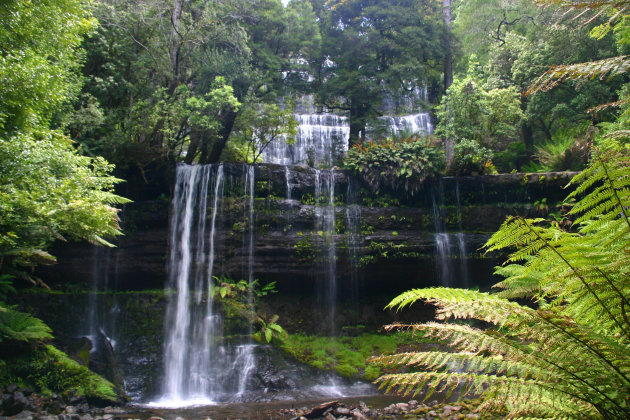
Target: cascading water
[199,368]
[353,237]
[322,139]
[415,123]
[287,174]
[461,240]
[325,225]
[190,322]
[448,275]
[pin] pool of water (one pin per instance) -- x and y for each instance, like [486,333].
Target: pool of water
[253,411]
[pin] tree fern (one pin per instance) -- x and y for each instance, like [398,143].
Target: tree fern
[568,357]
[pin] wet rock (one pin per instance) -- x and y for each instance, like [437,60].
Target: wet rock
[402,407]
[70,409]
[363,407]
[321,409]
[47,418]
[113,410]
[11,388]
[54,406]
[13,403]
[156,418]
[343,411]
[24,415]
[358,415]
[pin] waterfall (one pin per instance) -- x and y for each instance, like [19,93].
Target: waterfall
[415,123]
[353,237]
[325,225]
[187,342]
[322,140]
[461,240]
[287,174]
[101,315]
[199,368]
[448,276]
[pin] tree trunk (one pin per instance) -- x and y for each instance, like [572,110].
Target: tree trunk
[175,37]
[221,138]
[448,49]
[358,112]
[528,137]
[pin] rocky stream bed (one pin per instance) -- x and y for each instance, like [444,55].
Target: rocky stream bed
[22,403]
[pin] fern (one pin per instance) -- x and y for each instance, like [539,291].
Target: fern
[606,68]
[569,357]
[20,326]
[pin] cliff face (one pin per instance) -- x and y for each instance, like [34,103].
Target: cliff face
[368,247]
[382,245]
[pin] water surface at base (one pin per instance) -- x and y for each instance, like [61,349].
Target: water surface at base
[253,411]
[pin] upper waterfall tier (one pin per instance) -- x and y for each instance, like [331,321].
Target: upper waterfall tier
[322,139]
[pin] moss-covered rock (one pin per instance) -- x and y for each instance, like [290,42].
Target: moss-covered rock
[48,370]
[349,356]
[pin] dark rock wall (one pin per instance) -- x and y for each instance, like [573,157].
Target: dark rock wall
[393,246]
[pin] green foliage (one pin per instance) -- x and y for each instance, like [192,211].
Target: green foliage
[568,356]
[39,58]
[470,158]
[305,250]
[470,110]
[347,356]
[607,67]
[258,126]
[376,47]
[20,326]
[49,370]
[48,191]
[377,250]
[269,329]
[378,199]
[399,165]
[513,158]
[561,154]
[228,288]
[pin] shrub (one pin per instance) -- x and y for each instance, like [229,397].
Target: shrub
[399,165]
[470,158]
[565,152]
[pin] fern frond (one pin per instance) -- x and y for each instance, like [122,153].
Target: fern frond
[519,282]
[20,326]
[462,304]
[608,67]
[502,388]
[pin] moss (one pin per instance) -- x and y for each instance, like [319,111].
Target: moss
[48,369]
[346,370]
[348,356]
[371,373]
